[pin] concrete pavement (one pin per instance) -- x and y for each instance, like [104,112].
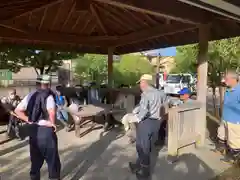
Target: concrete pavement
[99,156]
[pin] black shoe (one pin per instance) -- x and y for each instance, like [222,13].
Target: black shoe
[232,157]
[220,147]
[228,158]
[132,140]
[143,173]
[134,167]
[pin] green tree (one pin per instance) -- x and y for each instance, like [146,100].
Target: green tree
[130,68]
[45,62]
[222,55]
[185,59]
[42,61]
[91,67]
[10,59]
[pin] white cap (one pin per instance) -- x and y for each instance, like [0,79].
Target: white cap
[45,79]
[147,77]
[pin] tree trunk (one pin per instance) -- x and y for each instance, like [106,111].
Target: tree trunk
[221,96]
[41,70]
[48,69]
[215,111]
[36,71]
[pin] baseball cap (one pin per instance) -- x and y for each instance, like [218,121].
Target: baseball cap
[184,91]
[147,77]
[45,79]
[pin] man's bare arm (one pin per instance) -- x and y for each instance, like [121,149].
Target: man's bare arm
[51,109]
[52,115]
[21,109]
[21,115]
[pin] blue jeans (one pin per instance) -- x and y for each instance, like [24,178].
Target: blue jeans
[62,114]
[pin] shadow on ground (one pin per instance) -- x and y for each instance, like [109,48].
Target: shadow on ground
[106,160]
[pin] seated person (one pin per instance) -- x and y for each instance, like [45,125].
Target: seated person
[93,94]
[128,122]
[184,97]
[185,94]
[10,103]
[61,103]
[13,98]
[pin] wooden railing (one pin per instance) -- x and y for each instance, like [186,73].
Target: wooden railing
[184,126]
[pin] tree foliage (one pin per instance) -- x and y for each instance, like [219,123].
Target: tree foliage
[130,68]
[222,55]
[42,61]
[186,59]
[93,67]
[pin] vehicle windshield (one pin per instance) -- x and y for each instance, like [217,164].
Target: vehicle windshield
[174,78]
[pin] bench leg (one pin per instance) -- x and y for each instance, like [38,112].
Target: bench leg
[77,130]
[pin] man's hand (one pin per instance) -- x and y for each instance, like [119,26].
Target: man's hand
[54,127]
[134,119]
[47,124]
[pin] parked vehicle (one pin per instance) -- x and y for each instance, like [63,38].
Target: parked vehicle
[175,82]
[161,81]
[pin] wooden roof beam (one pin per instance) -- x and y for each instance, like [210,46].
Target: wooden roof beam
[83,5]
[184,13]
[99,21]
[37,6]
[152,33]
[57,38]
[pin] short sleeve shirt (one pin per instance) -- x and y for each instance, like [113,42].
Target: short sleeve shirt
[50,104]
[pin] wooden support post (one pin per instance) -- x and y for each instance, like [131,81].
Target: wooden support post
[110,67]
[202,70]
[157,72]
[110,74]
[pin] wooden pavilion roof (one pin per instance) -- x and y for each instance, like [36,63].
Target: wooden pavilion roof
[95,25]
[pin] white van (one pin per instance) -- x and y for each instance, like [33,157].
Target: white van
[175,82]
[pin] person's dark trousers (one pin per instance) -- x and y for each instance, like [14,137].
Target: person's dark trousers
[14,123]
[44,146]
[146,136]
[162,133]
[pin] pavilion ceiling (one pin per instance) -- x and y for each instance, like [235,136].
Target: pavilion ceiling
[95,25]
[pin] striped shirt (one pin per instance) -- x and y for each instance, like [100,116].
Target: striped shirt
[151,103]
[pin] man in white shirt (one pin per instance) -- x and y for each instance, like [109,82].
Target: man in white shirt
[38,109]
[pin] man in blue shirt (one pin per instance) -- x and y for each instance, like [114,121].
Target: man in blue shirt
[229,130]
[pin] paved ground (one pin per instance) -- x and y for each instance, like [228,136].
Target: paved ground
[99,156]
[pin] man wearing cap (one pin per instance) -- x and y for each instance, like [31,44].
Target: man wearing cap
[229,129]
[38,109]
[148,124]
[185,94]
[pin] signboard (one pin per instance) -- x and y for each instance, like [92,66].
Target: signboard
[5,74]
[116,58]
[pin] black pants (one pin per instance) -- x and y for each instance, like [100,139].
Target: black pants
[146,136]
[13,126]
[44,146]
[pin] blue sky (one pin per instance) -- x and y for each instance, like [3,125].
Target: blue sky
[171,51]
